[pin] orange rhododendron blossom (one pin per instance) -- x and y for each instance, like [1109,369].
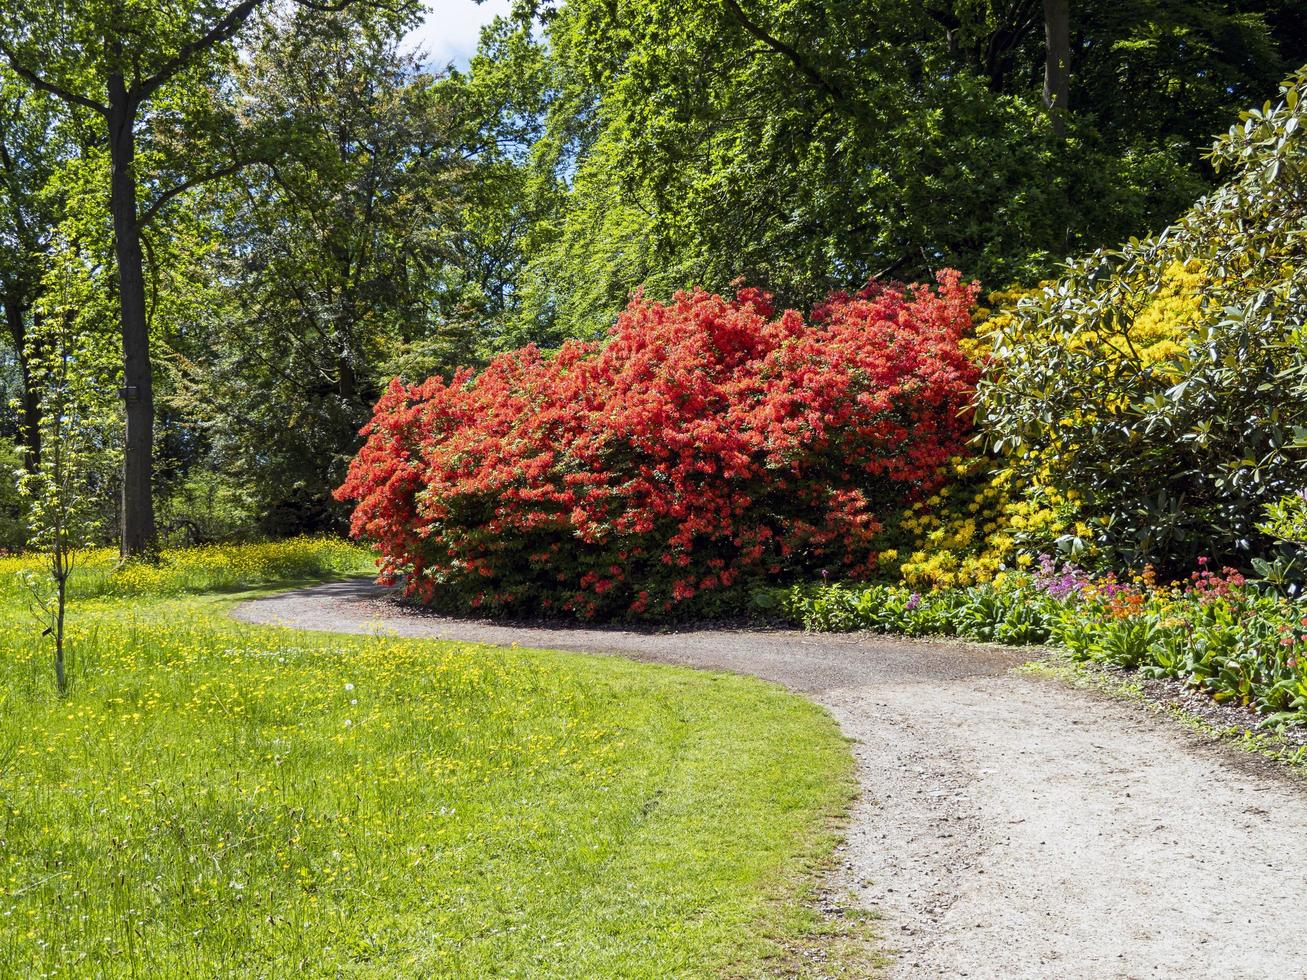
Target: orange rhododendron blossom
[707,443]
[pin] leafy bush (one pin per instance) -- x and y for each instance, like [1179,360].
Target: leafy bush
[1285,523]
[1011,612]
[1286,519]
[1166,383]
[708,444]
[13,509]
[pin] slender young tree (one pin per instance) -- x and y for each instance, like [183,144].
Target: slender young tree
[52,486]
[64,488]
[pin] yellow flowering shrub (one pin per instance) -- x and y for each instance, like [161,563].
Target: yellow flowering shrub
[983,522]
[994,320]
[1161,330]
[1157,332]
[1164,379]
[978,525]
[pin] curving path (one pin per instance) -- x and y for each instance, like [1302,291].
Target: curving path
[1008,826]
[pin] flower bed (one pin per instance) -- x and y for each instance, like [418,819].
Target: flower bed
[1215,631]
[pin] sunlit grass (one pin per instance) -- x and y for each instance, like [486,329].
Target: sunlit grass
[215,799]
[205,568]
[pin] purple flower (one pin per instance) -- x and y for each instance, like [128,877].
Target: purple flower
[1059,581]
[914,601]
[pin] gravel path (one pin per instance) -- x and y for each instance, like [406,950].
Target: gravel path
[1008,826]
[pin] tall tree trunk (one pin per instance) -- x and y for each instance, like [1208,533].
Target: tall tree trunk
[1057,60]
[31,404]
[139,536]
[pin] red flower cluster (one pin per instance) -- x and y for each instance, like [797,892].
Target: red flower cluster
[1209,586]
[707,443]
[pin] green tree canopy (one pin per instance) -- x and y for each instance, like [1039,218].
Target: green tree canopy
[807,144]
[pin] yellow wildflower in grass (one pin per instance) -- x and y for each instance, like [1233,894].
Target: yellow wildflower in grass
[204,568]
[216,799]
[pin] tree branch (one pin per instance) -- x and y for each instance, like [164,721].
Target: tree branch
[232,168]
[332,6]
[58,91]
[781,48]
[223,30]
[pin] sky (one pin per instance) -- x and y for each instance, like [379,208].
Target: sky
[452,28]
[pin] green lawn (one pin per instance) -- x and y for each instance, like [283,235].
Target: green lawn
[219,798]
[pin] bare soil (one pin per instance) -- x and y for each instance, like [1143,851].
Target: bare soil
[1009,825]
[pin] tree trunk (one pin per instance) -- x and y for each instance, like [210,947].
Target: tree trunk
[347,378]
[1057,60]
[139,536]
[61,678]
[31,403]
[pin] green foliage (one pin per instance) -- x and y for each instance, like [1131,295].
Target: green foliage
[1012,613]
[1286,519]
[161,93]
[13,508]
[1286,525]
[1172,74]
[1175,450]
[65,493]
[203,507]
[39,145]
[508,205]
[324,280]
[809,144]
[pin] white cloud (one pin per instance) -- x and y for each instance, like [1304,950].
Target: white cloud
[452,28]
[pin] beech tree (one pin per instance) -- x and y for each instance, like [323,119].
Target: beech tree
[809,144]
[332,264]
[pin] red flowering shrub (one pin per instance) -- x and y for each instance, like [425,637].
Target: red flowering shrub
[706,444]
